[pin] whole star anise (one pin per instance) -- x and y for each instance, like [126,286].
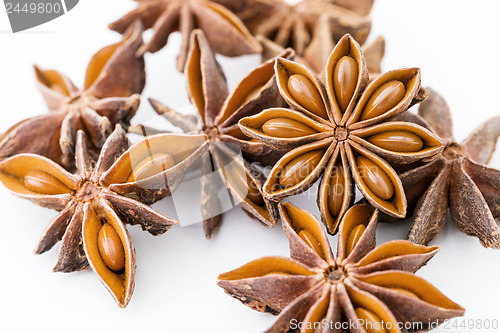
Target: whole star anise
[219,113]
[373,288]
[113,78]
[342,130]
[226,34]
[296,26]
[457,181]
[93,206]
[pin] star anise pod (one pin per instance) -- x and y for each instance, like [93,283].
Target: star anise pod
[219,113]
[342,130]
[109,96]
[322,44]
[93,206]
[226,34]
[296,26]
[360,7]
[457,181]
[366,285]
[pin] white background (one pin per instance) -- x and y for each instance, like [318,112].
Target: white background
[454,42]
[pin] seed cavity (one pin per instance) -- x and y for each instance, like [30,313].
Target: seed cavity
[150,166]
[375,178]
[305,93]
[43,183]
[282,127]
[397,141]
[371,322]
[345,78]
[251,94]
[336,190]
[299,168]
[310,240]
[354,237]
[383,99]
[111,248]
[406,292]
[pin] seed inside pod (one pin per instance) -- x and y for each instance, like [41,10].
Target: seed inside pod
[398,141]
[354,237]
[371,322]
[44,183]
[345,78]
[310,240]
[406,292]
[111,248]
[151,166]
[375,178]
[336,190]
[299,168]
[242,183]
[282,127]
[383,99]
[305,93]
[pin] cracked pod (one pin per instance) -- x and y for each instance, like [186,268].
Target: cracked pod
[342,131]
[92,217]
[225,33]
[456,181]
[364,282]
[218,112]
[113,79]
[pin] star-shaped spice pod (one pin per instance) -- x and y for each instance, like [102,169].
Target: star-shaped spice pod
[226,34]
[296,26]
[457,181]
[113,78]
[364,285]
[343,129]
[219,113]
[93,206]
[322,44]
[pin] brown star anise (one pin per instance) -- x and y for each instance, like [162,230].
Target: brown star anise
[373,288]
[296,25]
[219,113]
[457,180]
[113,78]
[344,129]
[226,34]
[322,44]
[93,206]
[360,7]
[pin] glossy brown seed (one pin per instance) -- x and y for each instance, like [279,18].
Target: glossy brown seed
[151,166]
[336,190]
[375,178]
[286,128]
[299,168]
[406,292]
[383,99]
[306,94]
[345,77]
[354,237]
[371,322]
[310,240]
[111,248]
[43,183]
[398,141]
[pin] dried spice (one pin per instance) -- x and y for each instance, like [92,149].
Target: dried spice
[93,206]
[457,180]
[219,113]
[365,282]
[343,129]
[226,34]
[296,26]
[113,78]
[322,45]
[360,7]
